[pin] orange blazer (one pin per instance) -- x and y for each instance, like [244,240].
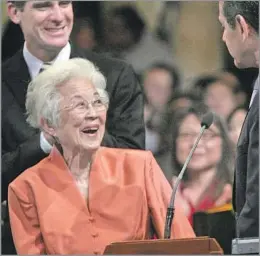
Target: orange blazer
[49,215]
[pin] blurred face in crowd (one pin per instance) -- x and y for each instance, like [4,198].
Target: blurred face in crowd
[86,38]
[235,124]
[209,151]
[240,40]
[158,87]
[82,116]
[220,98]
[46,25]
[117,34]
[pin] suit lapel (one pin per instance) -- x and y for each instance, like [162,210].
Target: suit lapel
[17,78]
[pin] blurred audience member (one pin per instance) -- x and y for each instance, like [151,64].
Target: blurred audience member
[207,182]
[183,99]
[160,82]
[241,95]
[235,122]
[83,34]
[126,36]
[219,94]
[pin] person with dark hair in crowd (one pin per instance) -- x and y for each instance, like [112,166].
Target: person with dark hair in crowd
[183,99]
[220,94]
[47,26]
[160,81]
[83,34]
[127,36]
[207,182]
[240,21]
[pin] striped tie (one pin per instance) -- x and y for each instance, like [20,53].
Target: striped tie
[45,66]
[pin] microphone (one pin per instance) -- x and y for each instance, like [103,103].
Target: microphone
[206,122]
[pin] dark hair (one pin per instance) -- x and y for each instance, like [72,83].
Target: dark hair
[132,20]
[188,94]
[224,168]
[18,4]
[174,73]
[80,23]
[204,81]
[248,9]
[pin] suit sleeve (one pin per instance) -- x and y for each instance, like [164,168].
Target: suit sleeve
[16,158]
[125,123]
[15,162]
[159,192]
[25,224]
[249,216]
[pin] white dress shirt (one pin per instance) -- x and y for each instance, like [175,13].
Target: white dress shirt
[256,88]
[34,65]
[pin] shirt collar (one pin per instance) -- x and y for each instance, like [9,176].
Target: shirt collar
[256,85]
[34,64]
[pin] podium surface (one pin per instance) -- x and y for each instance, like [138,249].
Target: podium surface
[198,245]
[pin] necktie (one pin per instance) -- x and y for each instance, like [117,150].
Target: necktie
[45,66]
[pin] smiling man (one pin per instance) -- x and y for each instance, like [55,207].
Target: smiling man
[47,26]
[240,21]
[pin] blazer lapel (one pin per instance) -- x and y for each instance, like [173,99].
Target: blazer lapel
[60,179]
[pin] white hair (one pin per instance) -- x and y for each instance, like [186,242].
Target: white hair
[43,96]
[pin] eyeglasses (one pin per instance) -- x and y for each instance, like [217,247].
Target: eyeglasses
[187,136]
[81,105]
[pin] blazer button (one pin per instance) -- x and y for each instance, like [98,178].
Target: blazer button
[94,235]
[96,252]
[91,219]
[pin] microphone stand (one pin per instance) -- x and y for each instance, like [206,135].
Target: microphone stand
[171,208]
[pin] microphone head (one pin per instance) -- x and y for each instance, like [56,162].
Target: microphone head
[207,120]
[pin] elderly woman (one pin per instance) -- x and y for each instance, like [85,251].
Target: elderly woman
[208,179]
[83,197]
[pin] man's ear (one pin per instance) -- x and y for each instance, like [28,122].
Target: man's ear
[47,127]
[243,26]
[14,13]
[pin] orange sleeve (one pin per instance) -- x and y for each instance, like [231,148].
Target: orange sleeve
[159,192]
[24,224]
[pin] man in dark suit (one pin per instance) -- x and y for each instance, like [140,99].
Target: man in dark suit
[240,21]
[46,27]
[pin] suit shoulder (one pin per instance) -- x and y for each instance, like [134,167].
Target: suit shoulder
[11,65]
[102,61]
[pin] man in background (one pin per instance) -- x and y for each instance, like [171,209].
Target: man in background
[240,21]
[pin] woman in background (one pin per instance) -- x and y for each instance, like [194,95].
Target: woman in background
[208,179]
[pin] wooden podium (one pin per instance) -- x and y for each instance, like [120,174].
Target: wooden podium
[198,245]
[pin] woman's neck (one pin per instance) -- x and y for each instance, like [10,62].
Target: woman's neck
[78,162]
[201,178]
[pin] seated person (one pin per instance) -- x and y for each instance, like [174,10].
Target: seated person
[83,197]
[208,179]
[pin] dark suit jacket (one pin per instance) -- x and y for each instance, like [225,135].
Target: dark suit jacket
[20,142]
[246,184]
